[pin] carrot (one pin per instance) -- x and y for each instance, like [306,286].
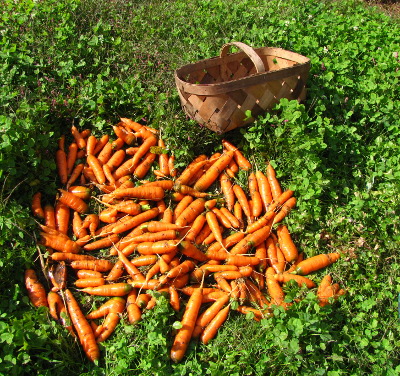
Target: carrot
[227,191]
[244,202]
[71,156]
[126,135]
[36,205]
[133,310]
[285,209]
[115,289]
[76,172]
[286,244]
[148,284]
[80,191]
[59,243]
[223,284]
[96,167]
[100,144]
[109,325]
[36,291]
[132,270]
[182,205]
[69,257]
[257,314]
[154,248]
[234,222]
[115,304]
[211,329]
[61,163]
[81,274]
[285,277]
[278,202]
[155,236]
[276,189]
[196,227]
[239,260]
[134,221]
[190,250]
[89,282]
[214,226]
[240,159]
[281,264]
[163,158]
[78,137]
[191,170]
[141,192]
[250,241]
[274,289]
[109,215]
[105,153]
[228,274]
[238,213]
[171,165]
[174,298]
[58,310]
[213,172]
[82,327]
[264,189]
[108,175]
[144,166]
[130,165]
[315,263]
[261,254]
[182,338]
[189,214]
[155,226]
[265,220]
[72,201]
[102,243]
[91,143]
[99,265]
[61,142]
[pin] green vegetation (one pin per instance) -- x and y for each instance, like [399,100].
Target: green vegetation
[87,62]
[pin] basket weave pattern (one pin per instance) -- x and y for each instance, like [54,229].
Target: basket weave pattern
[218,92]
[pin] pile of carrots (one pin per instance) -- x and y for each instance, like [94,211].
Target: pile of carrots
[209,243]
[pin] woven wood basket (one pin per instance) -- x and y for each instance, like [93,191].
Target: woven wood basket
[218,92]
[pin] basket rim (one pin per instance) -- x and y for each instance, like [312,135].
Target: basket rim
[302,66]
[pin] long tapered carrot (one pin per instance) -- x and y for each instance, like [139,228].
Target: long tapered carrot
[275,290]
[276,189]
[141,192]
[135,221]
[213,172]
[301,280]
[114,289]
[82,327]
[285,209]
[36,291]
[214,226]
[36,205]
[315,263]
[182,338]
[240,159]
[59,243]
[102,243]
[61,163]
[99,265]
[194,209]
[72,201]
[89,282]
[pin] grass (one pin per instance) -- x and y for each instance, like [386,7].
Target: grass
[87,63]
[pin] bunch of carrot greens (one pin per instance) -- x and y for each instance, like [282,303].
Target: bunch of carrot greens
[209,243]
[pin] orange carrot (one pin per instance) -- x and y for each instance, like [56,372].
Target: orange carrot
[102,243]
[211,329]
[69,257]
[132,270]
[61,163]
[174,298]
[238,213]
[80,191]
[182,205]
[114,289]
[36,205]
[196,227]
[265,220]
[189,172]
[99,265]
[214,226]
[154,248]
[81,274]
[59,243]
[141,192]
[105,153]
[189,214]
[171,166]
[78,137]
[214,171]
[315,263]
[115,304]
[96,167]
[285,209]
[82,327]
[155,226]
[72,201]
[184,334]
[71,157]
[261,254]
[76,172]
[240,159]
[90,282]
[276,189]
[134,221]
[286,244]
[144,166]
[244,202]
[36,291]
[285,277]
[133,310]
[190,250]
[240,260]
[264,189]
[274,288]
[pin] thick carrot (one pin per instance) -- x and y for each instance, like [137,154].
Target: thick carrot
[189,318]
[59,243]
[276,189]
[274,288]
[96,167]
[265,220]
[315,263]
[61,163]
[80,191]
[115,304]
[214,226]
[186,190]
[144,166]
[102,243]
[173,171]
[261,254]
[155,248]
[105,153]
[99,265]
[155,236]
[36,205]
[114,289]
[286,244]
[189,172]
[264,189]
[71,156]
[213,172]
[285,209]
[58,310]
[132,270]
[285,277]
[234,222]
[227,191]
[36,291]
[82,327]
[196,227]
[240,159]
[244,202]
[89,282]
[101,143]
[133,310]
[141,192]
[91,144]
[126,135]
[182,205]
[218,268]
[240,260]
[78,137]
[88,274]
[72,201]
[188,249]
[189,214]
[75,174]
[134,221]
[69,257]
[109,325]
[211,329]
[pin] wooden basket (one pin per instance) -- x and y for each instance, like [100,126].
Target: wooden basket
[218,92]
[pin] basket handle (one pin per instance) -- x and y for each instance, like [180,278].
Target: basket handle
[254,57]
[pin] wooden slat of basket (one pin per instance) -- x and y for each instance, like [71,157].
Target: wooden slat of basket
[210,105]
